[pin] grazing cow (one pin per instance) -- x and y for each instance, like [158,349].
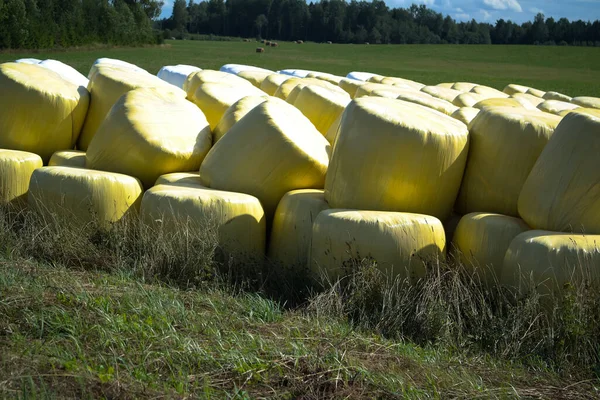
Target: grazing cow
[260,50]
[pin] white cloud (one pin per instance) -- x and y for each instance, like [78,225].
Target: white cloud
[485,15]
[504,5]
[536,10]
[462,17]
[459,10]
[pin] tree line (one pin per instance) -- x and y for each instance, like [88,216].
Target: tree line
[340,21]
[39,24]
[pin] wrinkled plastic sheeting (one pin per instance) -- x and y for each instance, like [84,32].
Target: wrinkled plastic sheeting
[80,196]
[551,260]
[40,112]
[505,144]
[562,192]
[481,241]
[292,227]
[237,68]
[236,219]
[361,76]
[106,86]
[67,72]
[148,133]
[235,113]
[16,168]
[392,155]
[176,75]
[321,106]
[465,114]
[274,149]
[68,158]
[402,244]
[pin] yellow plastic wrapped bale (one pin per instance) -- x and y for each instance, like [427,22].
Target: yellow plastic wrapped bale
[402,83]
[291,98]
[589,111]
[463,86]
[402,244]
[211,76]
[215,98]
[587,102]
[149,133]
[557,96]
[272,150]
[333,79]
[505,143]
[489,92]
[235,113]
[392,155]
[390,94]
[367,89]
[514,89]
[80,195]
[529,98]
[465,114]
[556,107]
[321,106]
[68,158]
[447,85]
[536,92]
[272,83]
[508,102]
[237,219]
[468,99]
[256,78]
[481,240]
[551,260]
[442,93]
[106,86]
[179,178]
[376,78]
[562,192]
[350,86]
[334,130]
[288,86]
[428,101]
[16,168]
[292,227]
[39,111]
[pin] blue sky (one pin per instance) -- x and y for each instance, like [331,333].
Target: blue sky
[492,10]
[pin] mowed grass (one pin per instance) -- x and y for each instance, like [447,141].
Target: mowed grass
[570,70]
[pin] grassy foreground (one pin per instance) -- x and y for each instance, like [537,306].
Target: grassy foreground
[571,70]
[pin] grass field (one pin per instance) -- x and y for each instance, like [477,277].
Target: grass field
[570,70]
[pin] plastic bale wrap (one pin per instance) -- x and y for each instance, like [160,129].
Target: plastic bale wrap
[149,133]
[536,92]
[288,86]
[557,96]
[68,158]
[392,155]
[272,83]
[321,106]
[550,261]
[513,89]
[428,101]
[367,89]
[179,178]
[509,102]
[562,192]
[28,61]
[468,99]
[463,86]
[529,98]
[489,92]
[215,98]
[589,111]
[465,114]
[256,78]
[390,94]
[292,227]
[298,73]
[238,219]
[333,79]
[447,85]
[402,244]
[176,75]
[556,107]
[441,93]
[106,86]
[481,241]
[66,72]
[402,82]
[80,196]
[39,111]
[505,144]
[236,69]
[360,76]
[291,98]
[235,113]
[587,102]
[16,168]
[376,78]
[272,150]
[114,63]
[195,79]
[350,86]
